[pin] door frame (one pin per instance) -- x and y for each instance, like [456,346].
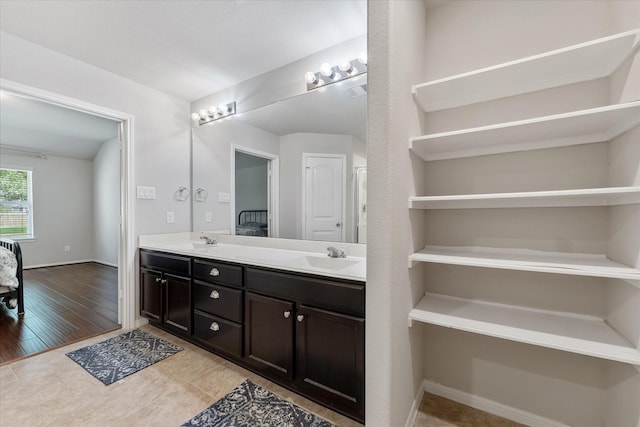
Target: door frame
[126,238]
[305,156]
[273,187]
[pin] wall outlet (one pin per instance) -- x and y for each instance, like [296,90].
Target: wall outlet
[67,248]
[208,217]
[171,217]
[146,192]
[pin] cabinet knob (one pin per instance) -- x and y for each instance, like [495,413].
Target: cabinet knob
[214,272]
[158,279]
[300,317]
[214,327]
[163,281]
[286,314]
[214,294]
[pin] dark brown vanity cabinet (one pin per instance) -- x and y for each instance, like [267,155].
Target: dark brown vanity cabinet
[269,334]
[310,331]
[304,332]
[165,291]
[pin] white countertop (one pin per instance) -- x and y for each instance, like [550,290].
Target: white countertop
[302,257]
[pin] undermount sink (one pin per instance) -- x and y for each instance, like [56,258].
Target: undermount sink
[328,262]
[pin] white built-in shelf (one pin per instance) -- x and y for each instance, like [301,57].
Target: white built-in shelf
[576,264]
[573,64]
[612,196]
[570,332]
[577,127]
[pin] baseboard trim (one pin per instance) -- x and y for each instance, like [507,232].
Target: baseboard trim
[413,413]
[514,414]
[108,264]
[57,264]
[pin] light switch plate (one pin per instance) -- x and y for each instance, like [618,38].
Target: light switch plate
[224,197]
[146,192]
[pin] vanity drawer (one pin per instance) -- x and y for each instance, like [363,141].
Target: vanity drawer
[218,300]
[218,333]
[345,297]
[216,272]
[176,264]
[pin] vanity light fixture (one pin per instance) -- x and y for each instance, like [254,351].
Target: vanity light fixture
[214,113]
[329,74]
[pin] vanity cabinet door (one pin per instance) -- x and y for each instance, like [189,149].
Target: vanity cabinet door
[177,314]
[151,295]
[269,334]
[330,358]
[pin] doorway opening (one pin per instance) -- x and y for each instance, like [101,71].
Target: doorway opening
[255,196]
[122,217]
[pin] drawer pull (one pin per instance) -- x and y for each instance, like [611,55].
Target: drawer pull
[214,327]
[287,314]
[214,294]
[300,318]
[214,272]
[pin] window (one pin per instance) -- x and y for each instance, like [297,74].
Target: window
[16,203]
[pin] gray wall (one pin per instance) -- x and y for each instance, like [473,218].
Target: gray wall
[106,202]
[62,210]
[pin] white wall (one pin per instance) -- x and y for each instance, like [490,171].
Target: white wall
[62,210]
[211,166]
[251,183]
[106,202]
[394,353]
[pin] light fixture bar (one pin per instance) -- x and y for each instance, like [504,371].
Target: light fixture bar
[214,113]
[332,74]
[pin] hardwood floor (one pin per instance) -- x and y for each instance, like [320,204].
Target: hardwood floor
[63,305]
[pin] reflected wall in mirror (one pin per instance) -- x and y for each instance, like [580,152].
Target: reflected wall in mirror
[293,169]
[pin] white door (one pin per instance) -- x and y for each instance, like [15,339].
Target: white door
[323,203]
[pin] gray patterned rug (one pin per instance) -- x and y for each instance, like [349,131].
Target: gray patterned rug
[250,405]
[118,357]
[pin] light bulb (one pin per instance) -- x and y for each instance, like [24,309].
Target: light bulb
[223,109]
[195,116]
[363,58]
[310,78]
[326,70]
[212,111]
[203,114]
[345,66]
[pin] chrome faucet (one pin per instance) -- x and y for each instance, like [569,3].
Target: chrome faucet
[209,240]
[336,253]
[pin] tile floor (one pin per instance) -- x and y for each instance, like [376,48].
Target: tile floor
[51,390]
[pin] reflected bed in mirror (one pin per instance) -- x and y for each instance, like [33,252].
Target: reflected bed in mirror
[294,169]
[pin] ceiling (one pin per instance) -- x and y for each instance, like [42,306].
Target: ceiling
[27,125]
[187,48]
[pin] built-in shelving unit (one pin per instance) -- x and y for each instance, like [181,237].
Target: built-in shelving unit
[573,64]
[566,331]
[571,332]
[577,127]
[575,264]
[612,196]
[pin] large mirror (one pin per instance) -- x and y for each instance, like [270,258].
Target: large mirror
[292,169]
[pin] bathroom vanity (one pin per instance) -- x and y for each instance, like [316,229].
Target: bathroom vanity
[294,317]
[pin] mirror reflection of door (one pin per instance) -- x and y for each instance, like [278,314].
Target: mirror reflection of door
[252,195]
[324,198]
